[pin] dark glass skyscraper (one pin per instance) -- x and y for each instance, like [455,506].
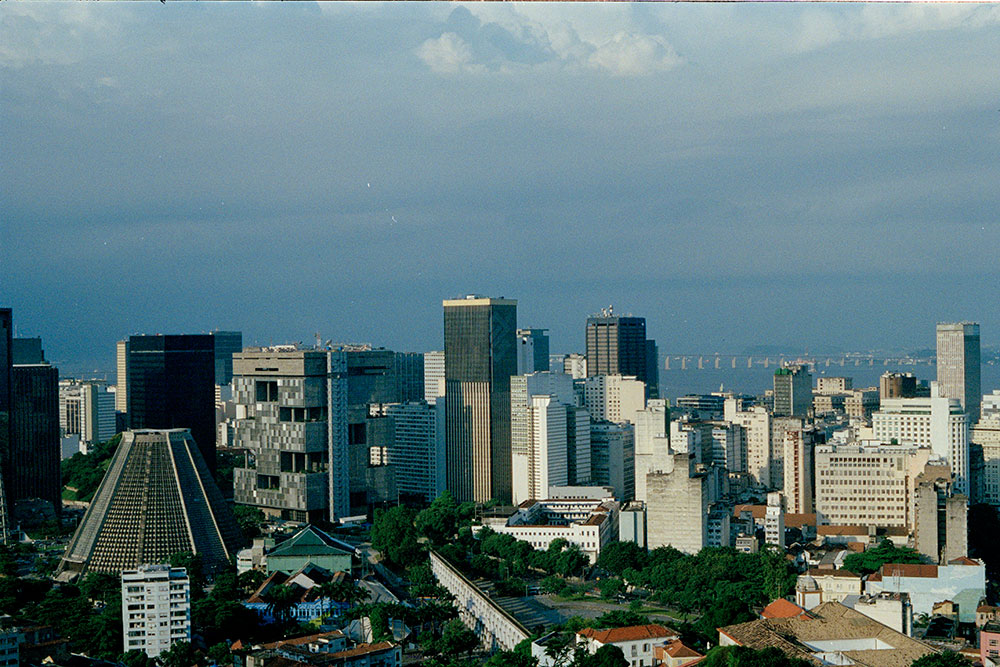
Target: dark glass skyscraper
[480,355]
[227,343]
[171,384]
[6,329]
[618,346]
[33,465]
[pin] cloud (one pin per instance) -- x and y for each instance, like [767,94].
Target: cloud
[52,34]
[511,41]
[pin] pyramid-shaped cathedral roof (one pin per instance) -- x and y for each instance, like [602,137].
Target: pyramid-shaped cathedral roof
[157,499]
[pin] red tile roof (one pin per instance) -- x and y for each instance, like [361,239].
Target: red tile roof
[782,608]
[798,520]
[758,511]
[962,560]
[629,634]
[890,570]
[363,649]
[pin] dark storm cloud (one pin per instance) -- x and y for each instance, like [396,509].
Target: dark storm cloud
[736,174]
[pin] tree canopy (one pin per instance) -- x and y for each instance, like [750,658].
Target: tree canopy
[944,659]
[741,656]
[872,559]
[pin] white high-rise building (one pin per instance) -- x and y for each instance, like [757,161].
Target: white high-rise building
[612,457]
[756,424]
[986,434]
[550,436]
[958,364]
[417,449]
[867,483]
[774,519]
[156,608]
[433,376]
[677,508]
[652,442]
[87,409]
[121,366]
[614,398]
[937,422]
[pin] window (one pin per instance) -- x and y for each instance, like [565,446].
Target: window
[267,391]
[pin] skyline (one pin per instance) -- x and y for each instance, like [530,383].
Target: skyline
[815,177]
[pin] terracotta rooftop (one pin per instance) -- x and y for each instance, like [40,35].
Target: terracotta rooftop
[629,634]
[799,520]
[962,560]
[821,572]
[782,608]
[830,621]
[363,649]
[758,511]
[890,570]
[677,649]
[306,639]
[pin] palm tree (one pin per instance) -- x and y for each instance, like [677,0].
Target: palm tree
[281,601]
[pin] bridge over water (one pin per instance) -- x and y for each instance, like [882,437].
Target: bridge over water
[717,361]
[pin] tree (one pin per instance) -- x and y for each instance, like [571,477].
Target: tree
[511,659]
[250,519]
[218,654]
[872,559]
[394,536]
[439,522]
[620,618]
[608,655]
[180,654]
[741,656]
[945,659]
[281,600]
[192,563]
[611,587]
[617,557]
[136,658]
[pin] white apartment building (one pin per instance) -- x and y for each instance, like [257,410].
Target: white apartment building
[87,409]
[756,425]
[550,436]
[614,398]
[797,465]
[986,434]
[936,422]
[433,376]
[612,457]
[156,608]
[652,442]
[774,519]
[868,483]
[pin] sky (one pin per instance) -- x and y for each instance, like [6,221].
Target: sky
[812,175]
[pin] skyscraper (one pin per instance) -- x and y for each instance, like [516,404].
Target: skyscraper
[958,364]
[480,353]
[121,366]
[34,453]
[171,384]
[227,343]
[532,350]
[433,376]
[792,391]
[618,346]
[6,331]
[291,412]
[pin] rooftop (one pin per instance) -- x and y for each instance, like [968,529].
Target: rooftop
[629,634]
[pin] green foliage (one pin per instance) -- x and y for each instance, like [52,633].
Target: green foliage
[886,552]
[17,594]
[136,658]
[619,618]
[511,659]
[611,587]
[554,584]
[945,659]
[741,656]
[608,655]
[101,587]
[281,600]
[394,536]
[180,654]
[219,654]
[8,563]
[617,557]
[192,563]
[96,633]
[439,522]
[250,519]
[84,472]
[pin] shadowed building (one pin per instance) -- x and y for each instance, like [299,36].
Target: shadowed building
[6,330]
[480,354]
[958,365]
[157,499]
[171,384]
[618,346]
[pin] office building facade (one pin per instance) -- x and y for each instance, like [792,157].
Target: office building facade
[171,384]
[618,346]
[532,350]
[792,391]
[613,398]
[434,376]
[291,413]
[480,352]
[612,457]
[121,366]
[6,401]
[958,364]
[417,450]
[32,468]
[227,343]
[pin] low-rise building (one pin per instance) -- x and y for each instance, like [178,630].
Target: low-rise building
[892,609]
[637,642]
[963,580]
[989,644]
[831,634]
[818,586]
[310,603]
[588,523]
[675,654]
[310,546]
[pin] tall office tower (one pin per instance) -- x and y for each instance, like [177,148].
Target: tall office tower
[291,413]
[70,406]
[480,354]
[618,346]
[614,398]
[729,446]
[227,343]
[897,385]
[433,376]
[937,422]
[550,438]
[940,516]
[371,380]
[652,369]
[756,425]
[171,384]
[157,498]
[867,483]
[6,400]
[958,364]
[409,374]
[774,520]
[156,608]
[652,442]
[677,505]
[612,457]
[798,484]
[417,449]
[792,391]
[35,450]
[121,364]
[532,350]
[986,435]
